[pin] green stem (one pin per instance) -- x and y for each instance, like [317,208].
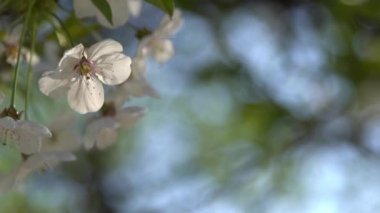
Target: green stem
[62,25]
[30,67]
[21,41]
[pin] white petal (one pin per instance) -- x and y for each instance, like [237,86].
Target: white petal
[62,141]
[130,115]
[106,138]
[134,7]
[138,66]
[138,86]
[143,49]
[64,138]
[7,123]
[86,95]
[7,126]
[102,48]
[33,59]
[70,58]
[34,128]
[101,133]
[41,161]
[54,84]
[162,50]
[113,69]
[12,60]
[120,13]
[30,136]
[84,8]
[169,25]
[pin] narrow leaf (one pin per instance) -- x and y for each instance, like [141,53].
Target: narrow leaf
[165,5]
[105,8]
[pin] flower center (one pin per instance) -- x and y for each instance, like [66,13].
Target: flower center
[12,50]
[84,67]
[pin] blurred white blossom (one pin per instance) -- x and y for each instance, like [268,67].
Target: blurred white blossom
[42,151]
[103,132]
[64,137]
[158,44]
[9,46]
[82,71]
[38,162]
[26,136]
[121,9]
[135,86]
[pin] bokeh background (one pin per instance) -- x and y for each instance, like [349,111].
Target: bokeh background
[268,106]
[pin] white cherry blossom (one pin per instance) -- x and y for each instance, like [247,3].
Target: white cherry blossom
[53,151]
[135,86]
[38,162]
[158,43]
[103,132]
[10,46]
[64,137]
[34,163]
[26,136]
[81,73]
[121,9]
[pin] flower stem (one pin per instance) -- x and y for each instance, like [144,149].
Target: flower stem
[21,41]
[30,67]
[62,25]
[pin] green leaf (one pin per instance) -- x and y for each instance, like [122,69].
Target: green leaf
[165,5]
[104,7]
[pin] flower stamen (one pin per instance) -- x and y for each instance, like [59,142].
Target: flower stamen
[84,67]
[12,50]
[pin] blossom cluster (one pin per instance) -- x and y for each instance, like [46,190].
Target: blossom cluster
[97,82]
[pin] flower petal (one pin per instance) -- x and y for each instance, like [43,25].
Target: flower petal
[128,116]
[70,58]
[62,141]
[41,161]
[169,25]
[113,69]
[11,59]
[138,66]
[30,58]
[34,128]
[7,126]
[106,138]
[102,48]
[162,50]
[30,136]
[138,87]
[54,84]
[84,8]
[7,123]
[86,95]
[134,7]
[101,133]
